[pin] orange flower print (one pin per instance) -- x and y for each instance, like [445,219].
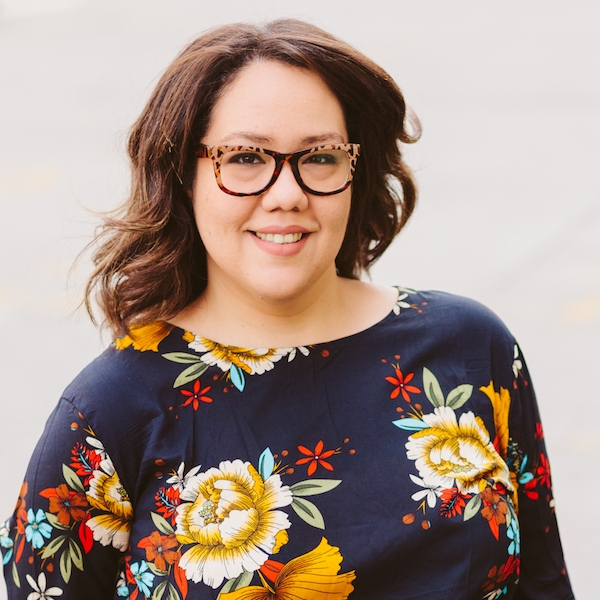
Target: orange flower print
[159,549]
[314,575]
[494,509]
[315,457]
[196,396]
[66,504]
[401,383]
[144,337]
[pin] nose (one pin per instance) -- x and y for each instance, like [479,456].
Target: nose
[285,193]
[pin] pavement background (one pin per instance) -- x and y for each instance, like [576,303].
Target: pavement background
[509,98]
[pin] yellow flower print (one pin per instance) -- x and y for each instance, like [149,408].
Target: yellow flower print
[450,453]
[144,337]
[501,404]
[252,361]
[106,493]
[228,515]
[313,575]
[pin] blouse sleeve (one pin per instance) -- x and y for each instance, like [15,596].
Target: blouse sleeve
[543,574]
[70,528]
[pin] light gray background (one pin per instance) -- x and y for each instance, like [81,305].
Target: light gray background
[508,168]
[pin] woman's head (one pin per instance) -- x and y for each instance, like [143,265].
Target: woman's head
[152,262]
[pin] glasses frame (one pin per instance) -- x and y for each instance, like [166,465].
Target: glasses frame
[216,153]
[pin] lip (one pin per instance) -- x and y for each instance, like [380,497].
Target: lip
[282,230]
[281,250]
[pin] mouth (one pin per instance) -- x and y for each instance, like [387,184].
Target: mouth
[278,238]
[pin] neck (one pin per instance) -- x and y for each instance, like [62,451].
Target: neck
[228,315]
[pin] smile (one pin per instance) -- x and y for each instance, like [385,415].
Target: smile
[278,238]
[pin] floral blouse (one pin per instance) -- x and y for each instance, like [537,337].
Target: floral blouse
[405,461]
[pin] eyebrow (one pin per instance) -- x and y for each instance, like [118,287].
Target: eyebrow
[330,137]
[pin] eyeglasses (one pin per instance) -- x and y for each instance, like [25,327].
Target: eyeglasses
[248,171]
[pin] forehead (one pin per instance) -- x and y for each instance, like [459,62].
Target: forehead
[272,102]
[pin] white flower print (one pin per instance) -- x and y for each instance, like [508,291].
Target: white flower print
[431,492]
[40,592]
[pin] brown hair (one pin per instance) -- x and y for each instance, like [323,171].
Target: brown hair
[150,261]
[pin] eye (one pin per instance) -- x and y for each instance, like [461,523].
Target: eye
[321,158]
[245,158]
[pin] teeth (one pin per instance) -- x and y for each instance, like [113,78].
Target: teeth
[277,238]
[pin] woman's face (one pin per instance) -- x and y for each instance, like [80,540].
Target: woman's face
[278,107]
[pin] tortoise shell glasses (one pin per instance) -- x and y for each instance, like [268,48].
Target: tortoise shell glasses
[249,171]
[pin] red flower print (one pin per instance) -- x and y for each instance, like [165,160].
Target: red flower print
[543,471]
[494,510]
[530,490]
[539,431]
[66,504]
[85,534]
[85,461]
[194,397]
[167,500]
[400,381]
[315,458]
[159,549]
[453,502]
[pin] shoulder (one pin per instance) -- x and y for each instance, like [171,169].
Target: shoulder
[126,380]
[454,322]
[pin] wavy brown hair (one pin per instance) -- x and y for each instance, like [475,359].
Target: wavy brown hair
[149,260]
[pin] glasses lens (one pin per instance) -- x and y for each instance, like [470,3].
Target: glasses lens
[246,172]
[324,170]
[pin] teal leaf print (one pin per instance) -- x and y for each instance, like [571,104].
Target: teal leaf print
[161,524]
[237,377]
[242,580]
[410,424]
[182,357]
[472,507]
[312,487]
[266,464]
[72,480]
[308,512]
[432,388]
[190,374]
[459,395]
[53,547]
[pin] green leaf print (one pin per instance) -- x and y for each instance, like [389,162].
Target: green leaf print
[459,395]
[53,520]
[242,580]
[53,547]
[66,566]
[312,487]
[76,555]
[308,512]
[472,507]
[161,524]
[72,480]
[182,357]
[190,374]
[15,575]
[432,388]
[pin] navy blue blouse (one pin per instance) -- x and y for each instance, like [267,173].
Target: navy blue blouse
[405,461]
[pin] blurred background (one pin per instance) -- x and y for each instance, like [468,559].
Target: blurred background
[508,167]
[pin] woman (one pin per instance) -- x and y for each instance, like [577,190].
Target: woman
[265,424]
